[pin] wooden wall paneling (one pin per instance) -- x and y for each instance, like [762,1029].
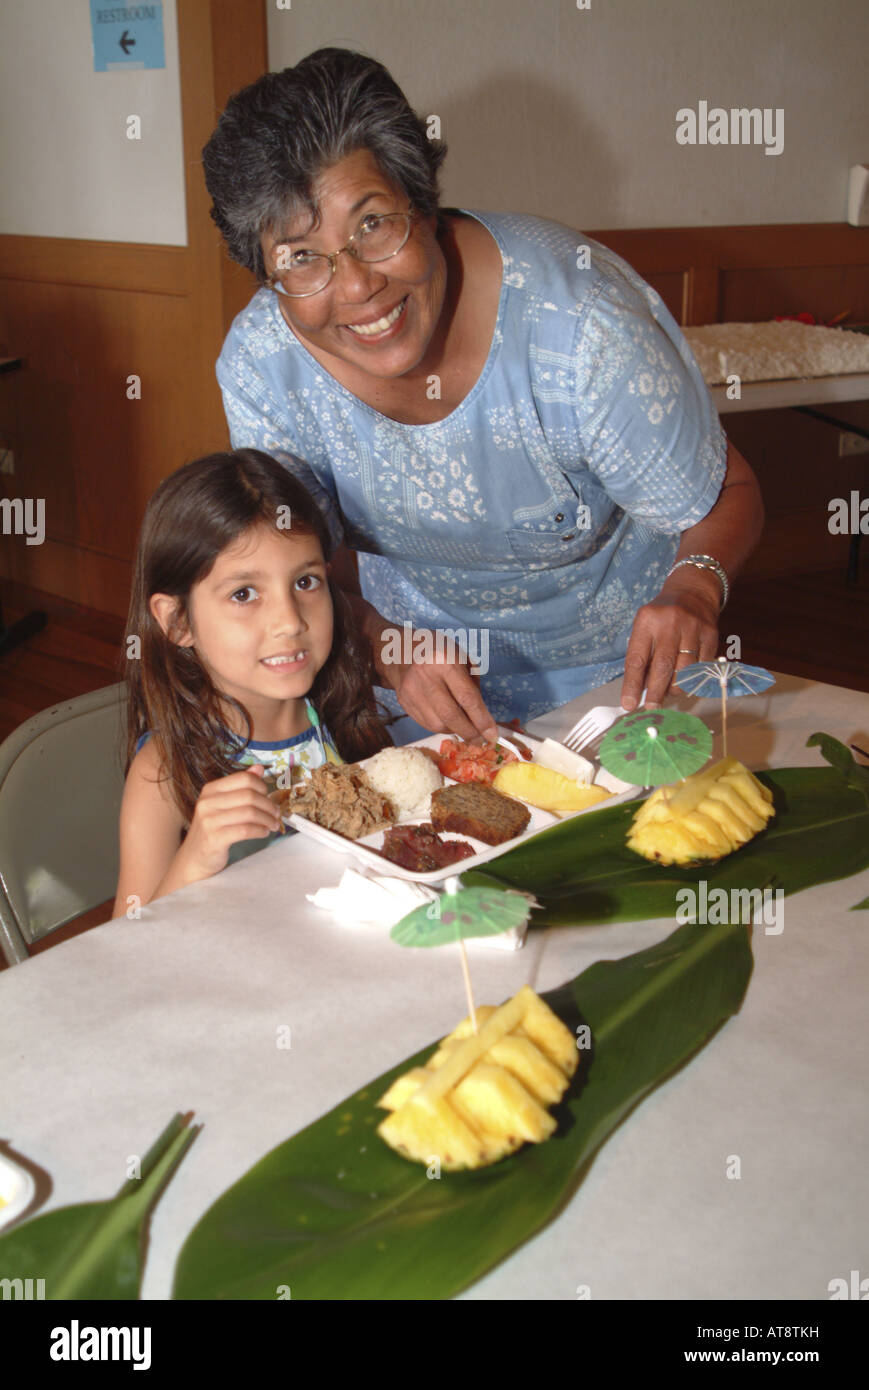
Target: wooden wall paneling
[240,56]
[112,265]
[750,295]
[86,315]
[701,294]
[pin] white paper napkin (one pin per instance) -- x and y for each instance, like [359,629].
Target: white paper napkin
[363,896]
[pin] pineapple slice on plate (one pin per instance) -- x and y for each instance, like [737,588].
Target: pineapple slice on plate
[481,1096]
[704,818]
[547,789]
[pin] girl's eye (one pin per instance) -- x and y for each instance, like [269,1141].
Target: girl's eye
[308,582]
[246,590]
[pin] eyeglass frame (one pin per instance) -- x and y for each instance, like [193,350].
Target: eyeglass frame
[272,281]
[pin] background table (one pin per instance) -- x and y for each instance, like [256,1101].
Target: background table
[793,392]
[104,1037]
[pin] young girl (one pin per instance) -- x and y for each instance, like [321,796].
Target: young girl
[246,662]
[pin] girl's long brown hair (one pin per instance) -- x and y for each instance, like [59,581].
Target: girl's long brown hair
[195,514]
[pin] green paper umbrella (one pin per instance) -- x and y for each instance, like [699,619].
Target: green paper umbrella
[463,912]
[470,912]
[655,746]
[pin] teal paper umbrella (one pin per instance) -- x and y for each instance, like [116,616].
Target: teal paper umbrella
[654,746]
[463,912]
[705,678]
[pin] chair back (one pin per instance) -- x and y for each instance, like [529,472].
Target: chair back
[61,782]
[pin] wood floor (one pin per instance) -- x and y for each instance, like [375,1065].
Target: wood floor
[811,624]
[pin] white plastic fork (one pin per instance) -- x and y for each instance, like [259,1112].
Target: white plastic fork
[594,725]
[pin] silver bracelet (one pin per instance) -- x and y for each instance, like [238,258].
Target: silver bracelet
[706,562]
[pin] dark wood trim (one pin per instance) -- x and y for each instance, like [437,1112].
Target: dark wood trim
[729,248]
[112,265]
[700,294]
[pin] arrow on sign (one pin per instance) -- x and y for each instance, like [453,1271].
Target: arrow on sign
[126,43]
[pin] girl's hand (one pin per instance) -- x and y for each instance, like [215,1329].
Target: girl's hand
[677,628]
[231,808]
[443,695]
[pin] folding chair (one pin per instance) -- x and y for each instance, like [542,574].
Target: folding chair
[61,781]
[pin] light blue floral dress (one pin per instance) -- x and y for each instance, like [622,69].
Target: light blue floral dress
[548,506]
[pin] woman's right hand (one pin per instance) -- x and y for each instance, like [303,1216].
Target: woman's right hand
[236,807]
[441,694]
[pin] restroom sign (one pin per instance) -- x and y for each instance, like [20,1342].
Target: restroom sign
[127,36]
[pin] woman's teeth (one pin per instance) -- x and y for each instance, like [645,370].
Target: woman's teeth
[368,330]
[284,660]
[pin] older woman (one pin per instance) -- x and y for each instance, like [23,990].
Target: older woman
[497,414]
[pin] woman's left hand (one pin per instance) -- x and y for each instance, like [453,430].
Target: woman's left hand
[677,628]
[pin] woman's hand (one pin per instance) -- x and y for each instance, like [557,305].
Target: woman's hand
[677,628]
[231,808]
[680,626]
[442,694]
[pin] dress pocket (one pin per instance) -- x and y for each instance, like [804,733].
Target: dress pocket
[550,549]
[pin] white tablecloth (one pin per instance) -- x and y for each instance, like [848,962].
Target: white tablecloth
[106,1036]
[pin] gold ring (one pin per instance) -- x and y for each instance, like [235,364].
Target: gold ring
[687,651]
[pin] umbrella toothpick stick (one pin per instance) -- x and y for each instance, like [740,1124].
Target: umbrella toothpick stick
[724,716]
[461,912]
[467,974]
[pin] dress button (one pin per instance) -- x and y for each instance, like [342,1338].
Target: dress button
[568,535]
[559,516]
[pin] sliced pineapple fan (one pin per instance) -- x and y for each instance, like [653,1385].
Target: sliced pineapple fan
[481,1096]
[703,818]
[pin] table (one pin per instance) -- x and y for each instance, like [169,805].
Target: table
[106,1036]
[793,392]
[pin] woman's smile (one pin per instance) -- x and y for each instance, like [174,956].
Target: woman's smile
[377,329]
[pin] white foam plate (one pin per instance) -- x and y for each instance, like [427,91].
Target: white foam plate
[364,850]
[16,1190]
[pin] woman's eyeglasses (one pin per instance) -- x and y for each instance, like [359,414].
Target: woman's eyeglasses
[378,236]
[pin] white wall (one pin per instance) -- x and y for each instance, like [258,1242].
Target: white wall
[570,113]
[67,168]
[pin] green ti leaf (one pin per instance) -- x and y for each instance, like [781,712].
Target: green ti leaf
[582,872]
[333,1213]
[843,760]
[93,1250]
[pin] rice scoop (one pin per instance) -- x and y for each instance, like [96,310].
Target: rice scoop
[407,776]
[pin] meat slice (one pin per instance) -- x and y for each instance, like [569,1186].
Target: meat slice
[474,809]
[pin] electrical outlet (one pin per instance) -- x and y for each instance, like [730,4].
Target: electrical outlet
[7,460]
[849,444]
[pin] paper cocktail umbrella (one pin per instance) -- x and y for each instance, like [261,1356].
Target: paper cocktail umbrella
[707,678]
[463,912]
[650,747]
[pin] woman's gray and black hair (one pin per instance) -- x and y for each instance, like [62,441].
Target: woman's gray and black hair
[278,135]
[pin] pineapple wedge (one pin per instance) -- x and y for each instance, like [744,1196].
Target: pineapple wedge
[549,790]
[481,1096]
[702,819]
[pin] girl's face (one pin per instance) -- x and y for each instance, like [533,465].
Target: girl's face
[261,621]
[336,322]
